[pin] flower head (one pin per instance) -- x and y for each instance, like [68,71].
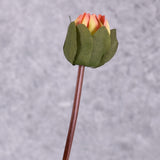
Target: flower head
[89,41]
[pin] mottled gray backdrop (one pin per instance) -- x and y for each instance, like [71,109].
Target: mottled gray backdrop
[119,116]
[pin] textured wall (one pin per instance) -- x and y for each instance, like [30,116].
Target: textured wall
[119,117]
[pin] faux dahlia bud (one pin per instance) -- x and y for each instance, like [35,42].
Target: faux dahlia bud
[89,41]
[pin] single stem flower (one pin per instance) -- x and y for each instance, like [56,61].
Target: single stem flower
[89,42]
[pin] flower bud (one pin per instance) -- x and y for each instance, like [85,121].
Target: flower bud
[89,41]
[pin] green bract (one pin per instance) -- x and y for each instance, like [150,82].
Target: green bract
[82,48]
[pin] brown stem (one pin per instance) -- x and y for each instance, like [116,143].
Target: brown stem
[74,113]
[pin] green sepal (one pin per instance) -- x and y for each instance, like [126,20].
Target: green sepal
[113,49]
[70,44]
[82,48]
[101,45]
[84,45]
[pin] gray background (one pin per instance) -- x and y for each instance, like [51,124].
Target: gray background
[119,116]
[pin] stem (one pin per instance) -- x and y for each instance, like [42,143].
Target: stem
[74,113]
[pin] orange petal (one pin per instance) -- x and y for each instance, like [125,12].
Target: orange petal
[79,19]
[101,18]
[93,24]
[106,24]
[85,20]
